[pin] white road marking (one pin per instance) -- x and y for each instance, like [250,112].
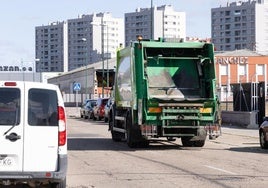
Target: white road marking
[219,169]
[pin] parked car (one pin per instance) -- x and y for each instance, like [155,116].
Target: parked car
[89,109]
[33,149]
[98,110]
[83,107]
[263,134]
[107,109]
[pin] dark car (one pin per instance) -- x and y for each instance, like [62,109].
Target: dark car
[98,110]
[263,134]
[87,108]
[107,109]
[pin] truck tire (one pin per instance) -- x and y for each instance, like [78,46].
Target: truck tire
[199,143]
[187,142]
[130,132]
[134,137]
[116,136]
[171,139]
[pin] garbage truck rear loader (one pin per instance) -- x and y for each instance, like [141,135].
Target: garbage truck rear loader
[165,89]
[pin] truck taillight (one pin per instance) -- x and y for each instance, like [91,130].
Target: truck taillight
[62,126]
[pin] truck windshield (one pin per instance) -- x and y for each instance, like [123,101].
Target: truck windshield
[174,77]
[9,106]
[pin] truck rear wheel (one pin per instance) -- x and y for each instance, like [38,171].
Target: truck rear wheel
[199,143]
[130,132]
[134,137]
[187,142]
[116,136]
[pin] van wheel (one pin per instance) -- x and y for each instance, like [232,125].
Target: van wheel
[61,184]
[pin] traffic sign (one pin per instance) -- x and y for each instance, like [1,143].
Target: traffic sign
[77,86]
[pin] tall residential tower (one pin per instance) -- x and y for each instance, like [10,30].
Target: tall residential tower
[93,38]
[64,46]
[155,22]
[241,25]
[50,47]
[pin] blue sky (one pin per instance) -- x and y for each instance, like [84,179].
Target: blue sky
[19,18]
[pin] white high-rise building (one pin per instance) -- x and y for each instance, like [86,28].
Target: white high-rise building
[152,23]
[64,46]
[93,38]
[241,25]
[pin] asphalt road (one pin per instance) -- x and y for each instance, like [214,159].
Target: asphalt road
[233,160]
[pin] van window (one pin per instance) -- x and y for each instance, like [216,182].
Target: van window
[9,106]
[42,107]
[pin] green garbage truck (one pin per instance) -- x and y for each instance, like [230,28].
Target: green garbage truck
[165,90]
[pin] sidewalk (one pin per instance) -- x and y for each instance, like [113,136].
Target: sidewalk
[238,130]
[73,111]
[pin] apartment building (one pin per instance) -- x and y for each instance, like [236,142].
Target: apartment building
[64,46]
[93,38]
[50,47]
[155,22]
[241,25]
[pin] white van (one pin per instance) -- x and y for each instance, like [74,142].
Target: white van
[33,137]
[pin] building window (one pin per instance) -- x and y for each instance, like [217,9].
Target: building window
[260,70]
[242,69]
[223,69]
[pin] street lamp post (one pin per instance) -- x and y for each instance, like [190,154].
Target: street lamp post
[34,68]
[102,52]
[107,52]
[151,19]
[86,71]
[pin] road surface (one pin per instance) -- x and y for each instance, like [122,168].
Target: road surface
[233,160]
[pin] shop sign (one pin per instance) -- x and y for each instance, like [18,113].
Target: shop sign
[232,60]
[8,68]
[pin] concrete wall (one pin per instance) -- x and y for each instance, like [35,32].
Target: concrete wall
[243,119]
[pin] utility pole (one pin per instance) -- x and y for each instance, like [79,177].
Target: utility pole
[152,19]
